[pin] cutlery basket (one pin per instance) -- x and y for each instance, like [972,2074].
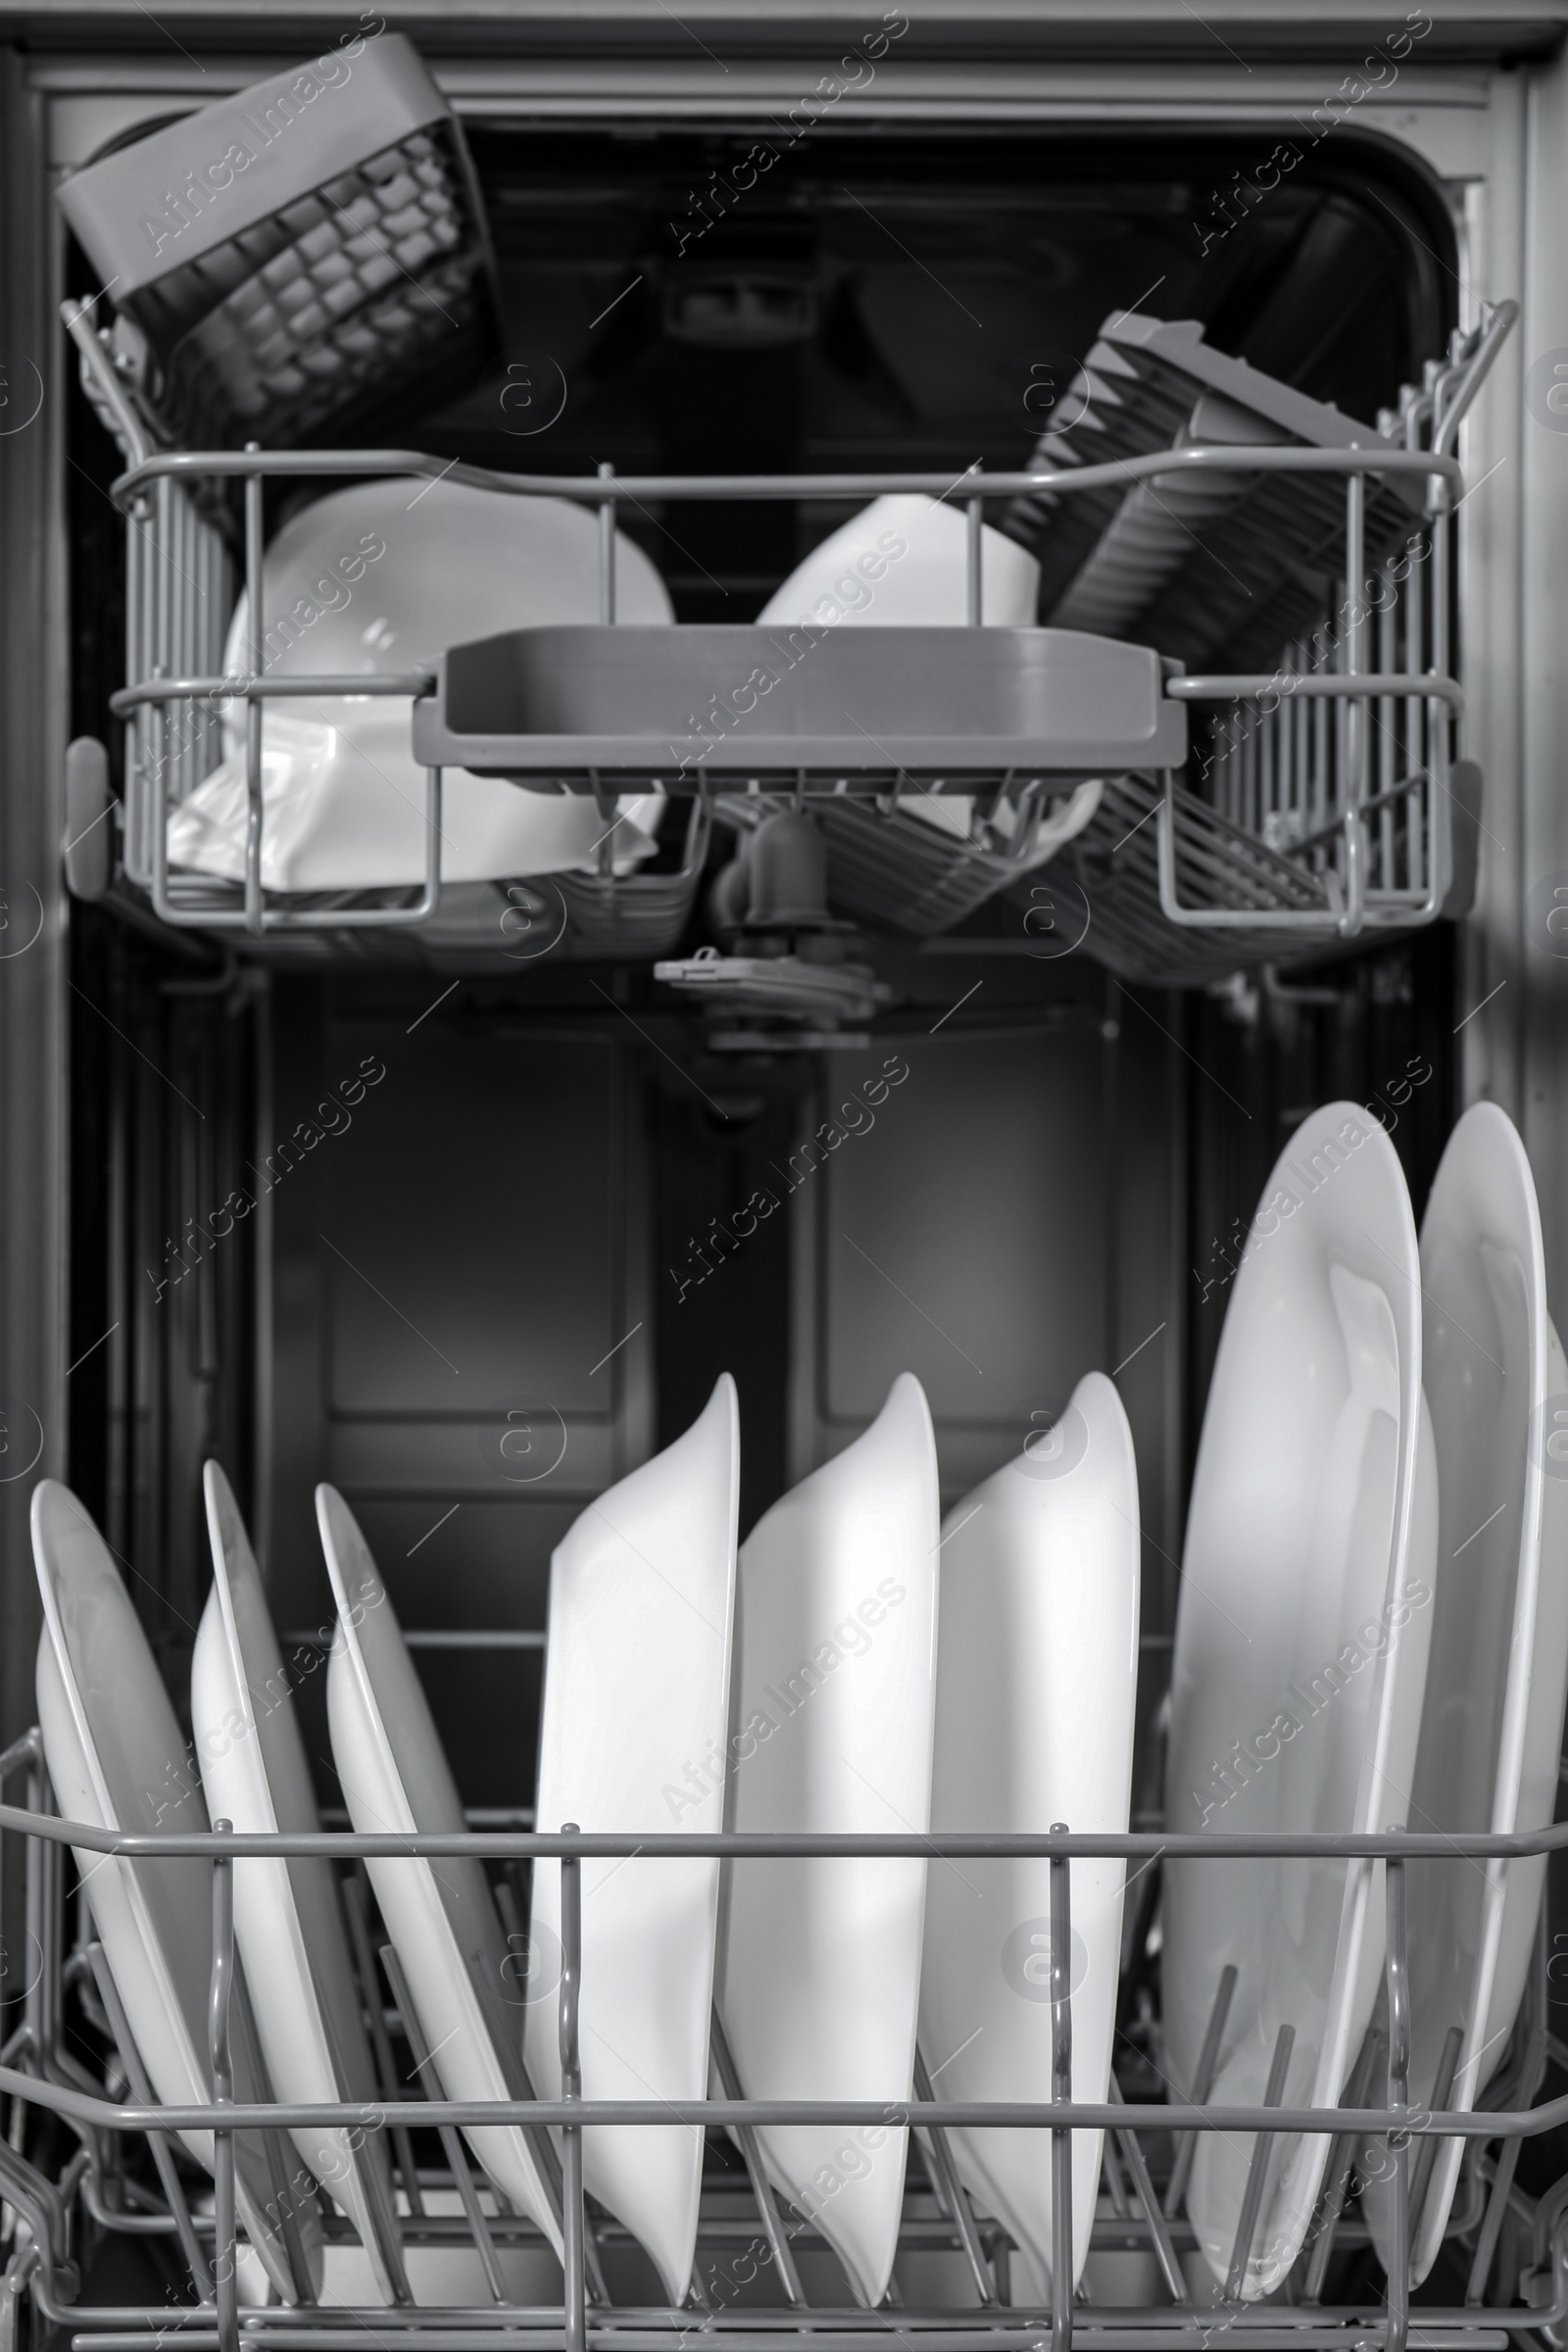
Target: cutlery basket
[292,255]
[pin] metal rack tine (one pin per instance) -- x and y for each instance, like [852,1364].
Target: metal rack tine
[286,2170]
[355,1890]
[1426,2155]
[1202,2084]
[1337,2172]
[161,2153]
[519,2085]
[368,2161]
[1262,2144]
[1121,2204]
[751,2149]
[951,2193]
[451,2145]
[1144,2189]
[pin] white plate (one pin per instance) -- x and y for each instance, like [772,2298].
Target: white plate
[1489,1730]
[286,1918]
[379,578]
[832,1723]
[636,1710]
[1300,1657]
[1037,1673]
[395,1776]
[118,1761]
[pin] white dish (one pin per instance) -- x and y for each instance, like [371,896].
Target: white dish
[1300,1655]
[379,578]
[118,1761]
[636,1711]
[441,1916]
[831,1729]
[1495,1680]
[1037,1674]
[448,2277]
[904,562]
[286,1918]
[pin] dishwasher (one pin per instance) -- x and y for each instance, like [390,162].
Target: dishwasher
[780,971]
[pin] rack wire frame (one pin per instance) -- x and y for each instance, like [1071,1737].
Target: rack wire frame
[1342,770]
[37,2067]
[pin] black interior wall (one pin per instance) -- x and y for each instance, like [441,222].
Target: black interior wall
[829,320]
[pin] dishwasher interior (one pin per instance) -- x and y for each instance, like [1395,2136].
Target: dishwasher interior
[463,1217]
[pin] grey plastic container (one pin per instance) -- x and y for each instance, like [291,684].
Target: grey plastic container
[857,709]
[294,253]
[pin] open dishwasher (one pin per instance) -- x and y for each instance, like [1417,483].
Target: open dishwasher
[1009,661]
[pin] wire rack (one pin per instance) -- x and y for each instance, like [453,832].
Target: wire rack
[1506,2240]
[1315,807]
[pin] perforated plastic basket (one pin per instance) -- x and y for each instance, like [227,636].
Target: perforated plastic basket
[293,254]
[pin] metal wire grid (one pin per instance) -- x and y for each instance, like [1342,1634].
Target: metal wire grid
[37,2067]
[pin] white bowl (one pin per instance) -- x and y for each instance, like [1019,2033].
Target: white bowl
[382,578]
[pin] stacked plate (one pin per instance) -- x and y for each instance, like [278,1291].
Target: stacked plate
[1372,1633]
[1373,1629]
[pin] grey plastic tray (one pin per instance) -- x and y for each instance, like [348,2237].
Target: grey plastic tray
[852,709]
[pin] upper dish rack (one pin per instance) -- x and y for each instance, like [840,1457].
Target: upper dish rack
[1316,806]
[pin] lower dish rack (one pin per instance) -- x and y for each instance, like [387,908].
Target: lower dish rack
[65,2207]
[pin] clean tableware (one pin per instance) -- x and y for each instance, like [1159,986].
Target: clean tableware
[441,1916]
[1300,1657]
[377,579]
[904,562]
[636,1713]
[119,1760]
[1037,1674]
[286,1918]
[1497,1676]
[832,1723]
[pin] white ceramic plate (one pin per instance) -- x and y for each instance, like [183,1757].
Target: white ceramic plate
[1489,1730]
[831,1729]
[286,1918]
[395,1776]
[1301,1656]
[1037,1673]
[118,1761]
[379,578]
[636,1711]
